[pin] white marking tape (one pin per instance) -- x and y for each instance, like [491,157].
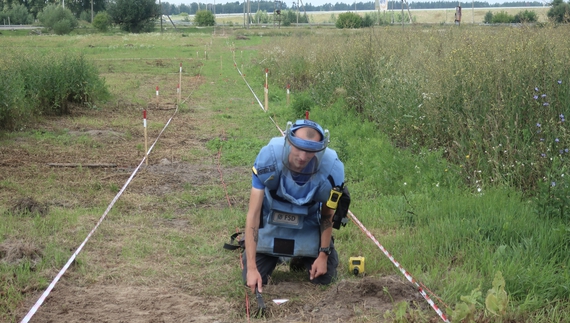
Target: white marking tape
[260,104]
[42,298]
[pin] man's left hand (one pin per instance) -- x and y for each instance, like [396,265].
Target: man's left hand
[319,267]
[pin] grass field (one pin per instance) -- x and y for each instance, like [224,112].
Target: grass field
[158,254]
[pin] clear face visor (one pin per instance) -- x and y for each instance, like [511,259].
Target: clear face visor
[303,157]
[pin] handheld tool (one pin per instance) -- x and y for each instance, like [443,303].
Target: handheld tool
[260,304]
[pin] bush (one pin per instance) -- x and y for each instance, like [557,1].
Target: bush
[488,17]
[301,104]
[503,18]
[85,16]
[102,21]
[368,20]
[57,18]
[348,20]
[62,27]
[525,17]
[204,18]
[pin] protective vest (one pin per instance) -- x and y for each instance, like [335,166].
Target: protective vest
[290,219]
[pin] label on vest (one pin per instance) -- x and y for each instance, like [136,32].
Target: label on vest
[286,219]
[287,215]
[289,220]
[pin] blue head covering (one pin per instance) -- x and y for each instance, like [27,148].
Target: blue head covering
[307,145]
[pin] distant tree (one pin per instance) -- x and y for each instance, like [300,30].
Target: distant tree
[559,11]
[102,21]
[289,17]
[194,8]
[56,18]
[261,16]
[204,18]
[78,7]
[174,10]
[19,15]
[185,8]
[134,15]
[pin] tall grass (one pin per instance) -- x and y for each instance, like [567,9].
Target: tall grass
[476,93]
[34,83]
[467,107]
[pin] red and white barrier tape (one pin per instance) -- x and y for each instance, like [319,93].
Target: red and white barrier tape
[397,264]
[45,294]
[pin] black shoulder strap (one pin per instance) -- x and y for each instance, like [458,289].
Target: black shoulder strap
[235,243]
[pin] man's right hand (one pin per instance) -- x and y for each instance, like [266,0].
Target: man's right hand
[254,280]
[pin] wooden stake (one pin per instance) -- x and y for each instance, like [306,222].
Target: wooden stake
[157,99]
[145,136]
[266,91]
[180,84]
[103,165]
[266,98]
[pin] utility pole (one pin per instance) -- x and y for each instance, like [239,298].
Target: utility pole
[392,11]
[402,14]
[160,5]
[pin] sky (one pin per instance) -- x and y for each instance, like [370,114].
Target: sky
[313,2]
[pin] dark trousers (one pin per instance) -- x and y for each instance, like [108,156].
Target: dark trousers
[267,263]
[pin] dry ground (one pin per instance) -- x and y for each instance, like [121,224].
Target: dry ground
[109,289]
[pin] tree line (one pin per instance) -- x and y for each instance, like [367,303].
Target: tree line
[141,15]
[79,7]
[271,6]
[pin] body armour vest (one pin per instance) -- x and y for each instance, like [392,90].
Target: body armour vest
[290,218]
